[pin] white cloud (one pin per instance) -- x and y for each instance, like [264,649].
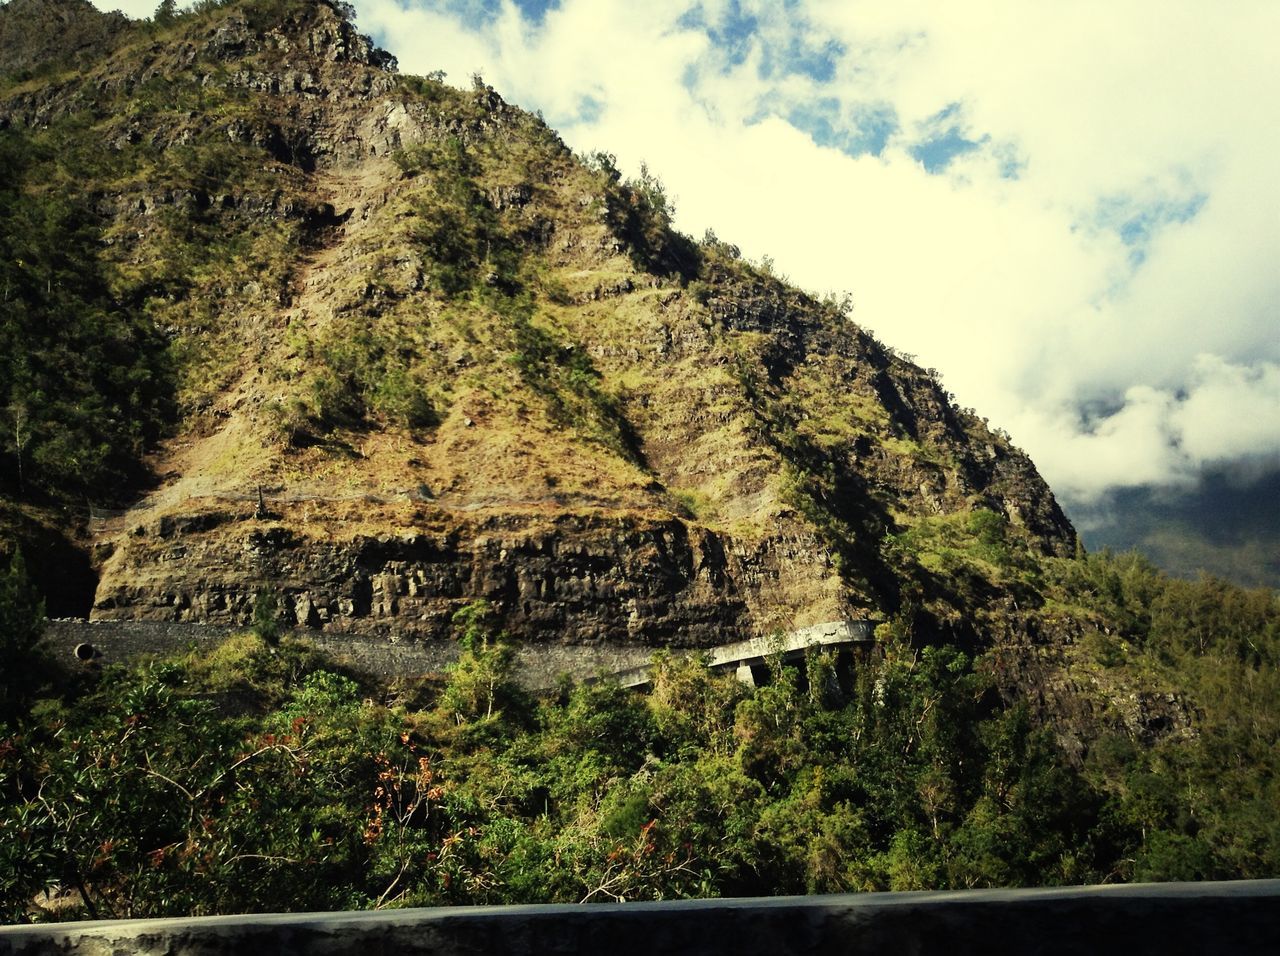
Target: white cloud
[1131,446]
[1225,416]
[138,9]
[1129,265]
[1230,407]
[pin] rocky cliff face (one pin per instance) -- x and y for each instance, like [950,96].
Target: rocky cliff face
[458,362]
[560,578]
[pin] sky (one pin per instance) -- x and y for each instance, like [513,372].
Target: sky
[1069,209]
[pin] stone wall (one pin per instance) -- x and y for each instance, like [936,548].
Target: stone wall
[1242,919]
[540,666]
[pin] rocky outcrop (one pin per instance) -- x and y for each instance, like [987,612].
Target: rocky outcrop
[566,578]
[1045,662]
[308,65]
[45,35]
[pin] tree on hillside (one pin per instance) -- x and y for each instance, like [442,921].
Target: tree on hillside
[482,680]
[19,436]
[21,625]
[166,13]
[85,378]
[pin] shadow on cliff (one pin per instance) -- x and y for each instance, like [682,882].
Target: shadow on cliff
[61,571]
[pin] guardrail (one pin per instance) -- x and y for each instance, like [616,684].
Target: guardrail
[1242,919]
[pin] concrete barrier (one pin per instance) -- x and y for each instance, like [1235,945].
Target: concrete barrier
[1167,919]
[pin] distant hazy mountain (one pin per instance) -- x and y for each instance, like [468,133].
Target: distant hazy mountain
[1229,525]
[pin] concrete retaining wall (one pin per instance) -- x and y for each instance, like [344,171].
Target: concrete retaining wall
[1170,919]
[540,665]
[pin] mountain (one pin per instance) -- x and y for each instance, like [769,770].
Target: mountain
[1226,524]
[457,360]
[282,321]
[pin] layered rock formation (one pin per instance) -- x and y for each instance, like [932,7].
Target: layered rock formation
[572,577]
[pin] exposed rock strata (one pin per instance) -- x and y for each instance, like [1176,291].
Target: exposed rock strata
[569,578]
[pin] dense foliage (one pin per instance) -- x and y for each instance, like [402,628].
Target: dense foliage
[262,777]
[84,378]
[21,625]
[1206,804]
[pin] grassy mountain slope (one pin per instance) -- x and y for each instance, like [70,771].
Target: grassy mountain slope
[397,307]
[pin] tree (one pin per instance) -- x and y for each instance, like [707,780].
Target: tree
[482,678]
[21,625]
[166,13]
[266,616]
[20,435]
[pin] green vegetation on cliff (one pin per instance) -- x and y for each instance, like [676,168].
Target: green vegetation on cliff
[85,380]
[261,777]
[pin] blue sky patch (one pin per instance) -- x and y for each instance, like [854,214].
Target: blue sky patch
[536,10]
[936,154]
[799,58]
[589,110]
[733,34]
[1136,223]
[856,131]
[693,19]
[475,14]
[1138,228]
[1011,163]
[943,139]
[876,123]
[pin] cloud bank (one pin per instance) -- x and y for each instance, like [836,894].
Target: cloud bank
[1068,209]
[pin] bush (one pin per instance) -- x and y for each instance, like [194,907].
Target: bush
[266,616]
[482,681]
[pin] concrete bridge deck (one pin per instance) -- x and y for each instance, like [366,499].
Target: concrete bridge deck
[743,656]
